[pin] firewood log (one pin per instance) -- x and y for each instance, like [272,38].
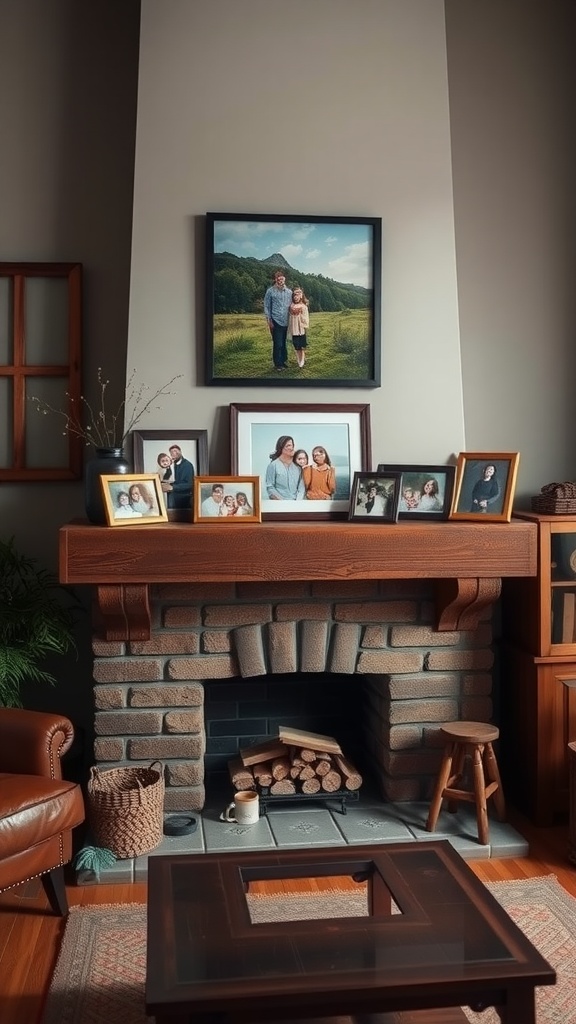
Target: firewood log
[311,785]
[295,771]
[307,773]
[262,773]
[280,768]
[312,740]
[352,777]
[294,755]
[242,778]
[322,767]
[307,755]
[331,782]
[263,752]
[283,787]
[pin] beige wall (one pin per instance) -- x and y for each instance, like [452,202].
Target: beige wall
[328,107]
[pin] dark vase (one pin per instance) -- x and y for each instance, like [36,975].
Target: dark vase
[106,461]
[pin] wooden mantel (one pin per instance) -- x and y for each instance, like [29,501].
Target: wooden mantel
[466,560]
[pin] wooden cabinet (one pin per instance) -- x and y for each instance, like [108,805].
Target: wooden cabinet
[538,685]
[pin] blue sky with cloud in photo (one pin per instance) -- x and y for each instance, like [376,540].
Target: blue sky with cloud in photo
[342,252]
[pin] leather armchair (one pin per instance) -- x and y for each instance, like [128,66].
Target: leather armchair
[38,809]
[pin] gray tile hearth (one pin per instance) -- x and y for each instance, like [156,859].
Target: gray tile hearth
[367,821]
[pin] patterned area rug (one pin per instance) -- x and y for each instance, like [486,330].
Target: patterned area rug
[99,977]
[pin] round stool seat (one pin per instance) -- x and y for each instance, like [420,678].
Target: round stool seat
[470,732]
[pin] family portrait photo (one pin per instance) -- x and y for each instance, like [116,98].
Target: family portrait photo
[306,460]
[133,499]
[176,456]
[485,485]
[230,498]
[293,300]
[375,496]
[425,491]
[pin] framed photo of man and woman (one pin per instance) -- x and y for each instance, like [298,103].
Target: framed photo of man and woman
[305,456]
[176,456]
[293,301]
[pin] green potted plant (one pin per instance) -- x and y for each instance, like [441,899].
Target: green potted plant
[35,622]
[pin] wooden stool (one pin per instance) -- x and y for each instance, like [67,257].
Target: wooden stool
[473,739]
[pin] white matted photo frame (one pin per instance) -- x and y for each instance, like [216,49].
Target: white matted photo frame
[485,485]
[134,499]
[375,497]
[305,455]
[227,499]
[152,454]
[425,491]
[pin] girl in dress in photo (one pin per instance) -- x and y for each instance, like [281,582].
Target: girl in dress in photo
[298,324]
[320,477]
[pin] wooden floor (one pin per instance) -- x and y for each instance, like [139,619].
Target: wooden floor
[30,933]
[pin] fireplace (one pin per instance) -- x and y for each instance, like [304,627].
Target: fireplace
[404,611]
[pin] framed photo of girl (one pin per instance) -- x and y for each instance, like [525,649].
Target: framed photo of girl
[425,491]
[293,301]
[133,499]
[375,497]
[485,485]
[305,455]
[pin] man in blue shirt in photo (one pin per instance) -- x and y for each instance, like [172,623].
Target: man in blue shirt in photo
[276,310]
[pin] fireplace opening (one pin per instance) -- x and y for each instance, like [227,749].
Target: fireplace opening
[241,712]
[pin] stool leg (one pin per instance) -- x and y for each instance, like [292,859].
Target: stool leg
[457,775]
[493,774]
[480,794]
[443,775]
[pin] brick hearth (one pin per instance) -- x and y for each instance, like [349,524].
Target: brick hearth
[150,695]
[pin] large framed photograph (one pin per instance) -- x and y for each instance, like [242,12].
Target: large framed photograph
[375,497]
[306,455]
[227,499]
[485,485]
[293,301]
[133,499]
[176,456]
[425,491]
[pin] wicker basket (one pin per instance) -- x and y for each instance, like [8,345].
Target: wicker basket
[125,808]
[556,499]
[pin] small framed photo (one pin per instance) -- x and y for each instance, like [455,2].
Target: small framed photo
[133,500]
[375,497]
[485,484]
[227,499]
[425,491]
[293,301]
[305,456]
[176,456]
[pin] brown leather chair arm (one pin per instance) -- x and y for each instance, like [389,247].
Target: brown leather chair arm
[32,742]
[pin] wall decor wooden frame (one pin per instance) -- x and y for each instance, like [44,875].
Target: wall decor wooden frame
[41,306]
[227,506]
[150,508]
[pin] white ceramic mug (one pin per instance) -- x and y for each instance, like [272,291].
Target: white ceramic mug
[244,809]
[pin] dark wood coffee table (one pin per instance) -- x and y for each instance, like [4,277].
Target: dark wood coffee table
[451,945]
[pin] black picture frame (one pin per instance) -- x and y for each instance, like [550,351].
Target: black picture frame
[415,476]
[149,444]
[256,430]
[374,497]
[338,263]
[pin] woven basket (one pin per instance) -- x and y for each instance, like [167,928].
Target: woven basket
[553,506]
[126,808]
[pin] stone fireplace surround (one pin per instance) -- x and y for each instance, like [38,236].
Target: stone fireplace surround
[403,609]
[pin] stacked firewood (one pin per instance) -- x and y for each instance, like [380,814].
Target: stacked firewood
[294,762]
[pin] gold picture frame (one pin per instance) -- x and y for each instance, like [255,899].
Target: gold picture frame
[134,499]
[481,495]
[227,499]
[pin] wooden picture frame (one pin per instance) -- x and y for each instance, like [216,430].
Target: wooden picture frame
[133,499]
[375,497]
[431,487]
[227,499]
[336,261]
[482,497]
[150,445]
[341,431]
